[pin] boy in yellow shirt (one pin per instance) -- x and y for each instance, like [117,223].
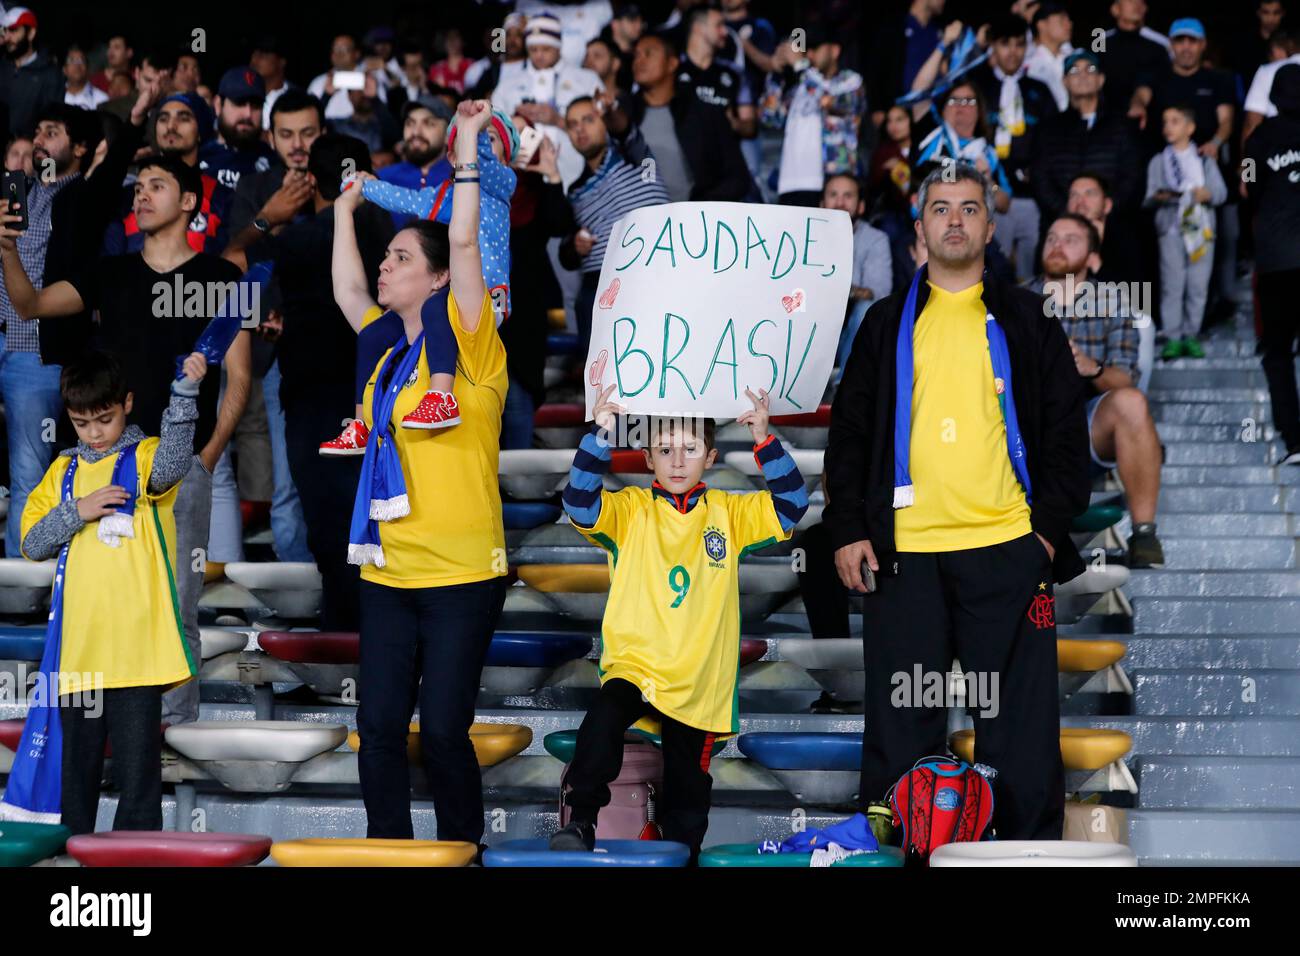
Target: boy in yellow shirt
[109,501]
[670,640]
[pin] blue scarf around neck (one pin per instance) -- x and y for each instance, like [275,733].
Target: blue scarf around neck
[904,494]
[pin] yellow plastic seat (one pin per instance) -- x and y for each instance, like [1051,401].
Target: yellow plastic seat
[493,743]
[1082,748]
[213,571]
[1079,656]
[566,578]
[358,851]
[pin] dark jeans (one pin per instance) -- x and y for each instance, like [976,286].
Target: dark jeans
[132,722]
[326,489]
[683,807]
[993,609]
[425,644]
[440,348]
[1280,316]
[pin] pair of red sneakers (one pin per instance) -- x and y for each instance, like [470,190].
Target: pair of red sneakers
[436,410]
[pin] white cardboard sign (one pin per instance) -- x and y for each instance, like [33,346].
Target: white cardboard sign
[699,300]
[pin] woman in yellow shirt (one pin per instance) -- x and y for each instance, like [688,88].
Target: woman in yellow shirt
[427,526]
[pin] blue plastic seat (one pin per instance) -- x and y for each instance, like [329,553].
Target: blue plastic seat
[536,852]
[809,751]
[525,515]
[22,643]
[537,648]
[561,343]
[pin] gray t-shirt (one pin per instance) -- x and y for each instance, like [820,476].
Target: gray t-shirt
[670,163]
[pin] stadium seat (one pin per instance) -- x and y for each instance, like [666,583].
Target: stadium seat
[746,854]
[24,585]
[216,641]
[1086,656]
[561,743]
[291,589]
[752,649]
[809,430]
[259,756]
[519,662]
[525,515]
[534,474]
[1097,518]
[629,461]
[167,848]
[1082,748]
[22,643]
[358,851]
[560,425]
[1033,853]
[536,852]
[11,731]
[836,663]
[493,743]
[323,660]
[561,343]
[808,461]
[22,844]
[818,768]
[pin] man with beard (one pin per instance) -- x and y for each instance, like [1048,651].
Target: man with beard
[238,146]
[424,146]
[1104,343]
[29,80]
[956,460]
[183,122]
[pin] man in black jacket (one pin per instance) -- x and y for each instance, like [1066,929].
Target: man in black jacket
[955,485]
[1274,151]
[697,156]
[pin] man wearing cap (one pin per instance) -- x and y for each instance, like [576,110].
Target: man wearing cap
[1133,53]
[1045,60]
[424,148]
[238,147]
[1086,136]
[1211,93]
[183,122]
[545,87]
[579,20]
[1274,148]
[29,80]
[268,61]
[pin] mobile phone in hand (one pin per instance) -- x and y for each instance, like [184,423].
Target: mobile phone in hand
[530,138]
[15,191]
[349,80]
[868,578]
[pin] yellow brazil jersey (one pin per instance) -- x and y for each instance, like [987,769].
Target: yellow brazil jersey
[454,533]
[120,613]
[672,621]
[967,495]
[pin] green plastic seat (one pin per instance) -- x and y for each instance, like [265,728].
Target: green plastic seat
[1097,518]
[22,844]
[560,744]
[746,854]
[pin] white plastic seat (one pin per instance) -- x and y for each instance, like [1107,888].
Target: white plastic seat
[808,460]
[1095,580]
[290,741]
[275,575]
[21,573]
[217,640]
[1033,853]
[768,578]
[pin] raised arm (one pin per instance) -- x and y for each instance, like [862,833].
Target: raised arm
[466,261]
[61,298]
[351,292]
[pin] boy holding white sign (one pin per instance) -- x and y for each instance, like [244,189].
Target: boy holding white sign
[670,640]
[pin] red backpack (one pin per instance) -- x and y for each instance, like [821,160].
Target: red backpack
[940,800]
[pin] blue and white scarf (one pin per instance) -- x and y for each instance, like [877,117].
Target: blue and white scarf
[381,491]
[112,528]
[904,494]
[35,789]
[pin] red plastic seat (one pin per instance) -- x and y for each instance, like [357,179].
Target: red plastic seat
[751,649]
[629,461]
[818,419]
[312,647]
[11,732]
[165,848]
[565,415]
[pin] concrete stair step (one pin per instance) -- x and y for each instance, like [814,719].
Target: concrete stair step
[1172,434]
[1224,499]
[1219,783]
[1169,412]
[1228,652]
[1213,584]
[1161,615]
[1215,838]
[1202,393]
[1220,453]
[1223,693]
[1181,476]
[1225,524]
[1164,378]
[1213,554]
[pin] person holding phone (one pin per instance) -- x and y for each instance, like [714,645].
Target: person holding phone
[957,455]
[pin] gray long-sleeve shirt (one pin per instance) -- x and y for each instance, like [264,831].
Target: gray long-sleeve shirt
[873,265]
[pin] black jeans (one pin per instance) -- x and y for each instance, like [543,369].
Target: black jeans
[825,597]
[132,722]
[1280,317]
[326,488]
[425,644]
[683,807]
[993,609]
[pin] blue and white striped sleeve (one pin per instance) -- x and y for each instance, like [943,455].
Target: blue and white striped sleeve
[789,496]
[586,480]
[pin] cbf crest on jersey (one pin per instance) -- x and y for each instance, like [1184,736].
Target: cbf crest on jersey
[715,544]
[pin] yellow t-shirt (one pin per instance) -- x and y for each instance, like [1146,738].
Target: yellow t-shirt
[121,625]
[672,621]
[966,495]
[454,533]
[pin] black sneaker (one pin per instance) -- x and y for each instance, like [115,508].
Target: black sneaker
[830,704]
[576,836]
[1292,456]
[1144,549]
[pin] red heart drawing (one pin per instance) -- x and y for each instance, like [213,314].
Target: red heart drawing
[607,297]
[792,301]
[597,372]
